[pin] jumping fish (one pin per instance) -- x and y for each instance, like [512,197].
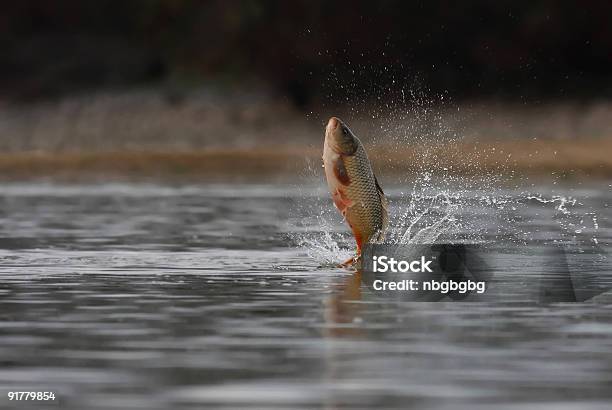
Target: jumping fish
[353,186]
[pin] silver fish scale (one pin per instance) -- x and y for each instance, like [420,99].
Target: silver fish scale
[367,212]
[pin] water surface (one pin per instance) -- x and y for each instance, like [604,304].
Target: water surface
[157,297]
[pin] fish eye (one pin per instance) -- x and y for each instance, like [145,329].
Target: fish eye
[344,130]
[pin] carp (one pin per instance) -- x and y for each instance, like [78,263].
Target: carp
[353,186]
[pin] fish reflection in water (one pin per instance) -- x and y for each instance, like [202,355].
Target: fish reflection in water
[342,308]
[552,279]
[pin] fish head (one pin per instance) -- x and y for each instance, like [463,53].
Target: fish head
[339,137]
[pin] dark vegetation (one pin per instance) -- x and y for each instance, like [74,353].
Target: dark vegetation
[307,50]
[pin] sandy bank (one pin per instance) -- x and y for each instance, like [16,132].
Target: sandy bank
[586,158]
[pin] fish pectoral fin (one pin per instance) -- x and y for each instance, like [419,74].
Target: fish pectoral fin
[341,201]
[340,171]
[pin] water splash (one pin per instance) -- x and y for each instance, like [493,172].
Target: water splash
[325,248]
[424,221]
[440,205]
[560,201]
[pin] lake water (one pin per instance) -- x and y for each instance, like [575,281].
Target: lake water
[157,297]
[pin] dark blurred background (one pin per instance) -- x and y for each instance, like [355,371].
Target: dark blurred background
[244,88]
[504,49]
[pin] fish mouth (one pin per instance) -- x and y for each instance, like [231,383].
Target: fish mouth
[332,124]
[333,134]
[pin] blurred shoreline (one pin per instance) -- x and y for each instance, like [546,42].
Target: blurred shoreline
[567,160]
[223,135]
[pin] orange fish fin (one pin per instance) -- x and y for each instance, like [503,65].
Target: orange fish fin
[359,242]
[347,263]
[340,171]
[341,201]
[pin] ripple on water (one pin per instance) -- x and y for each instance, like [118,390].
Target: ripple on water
[152,297]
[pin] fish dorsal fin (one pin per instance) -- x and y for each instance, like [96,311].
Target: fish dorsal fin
[385,204]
